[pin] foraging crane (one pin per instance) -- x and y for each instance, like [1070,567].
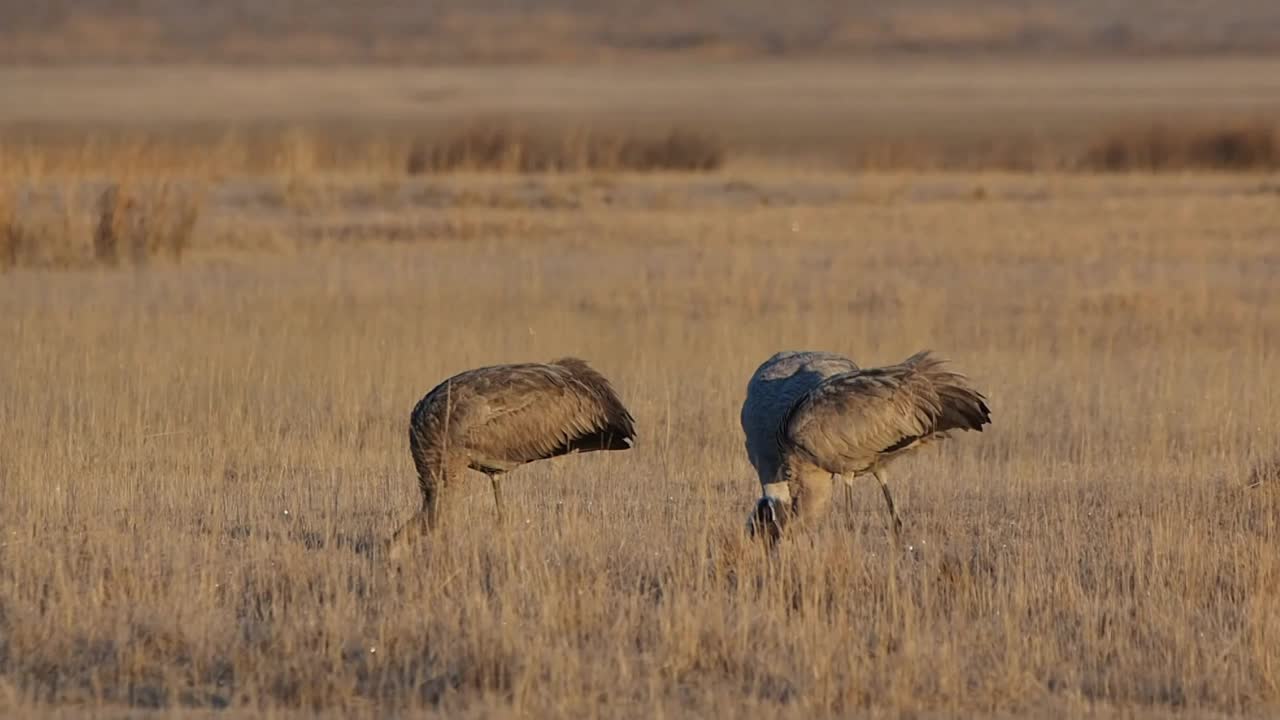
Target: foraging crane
[854,423]
[774,387]
[495,419]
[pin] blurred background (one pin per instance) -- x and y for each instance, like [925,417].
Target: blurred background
[564,84]
[524,31]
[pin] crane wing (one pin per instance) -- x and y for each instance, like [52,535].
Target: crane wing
[533,412]
[849,420]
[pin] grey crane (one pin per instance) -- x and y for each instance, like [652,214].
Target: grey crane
[497,418]
[848,423]
[774,387]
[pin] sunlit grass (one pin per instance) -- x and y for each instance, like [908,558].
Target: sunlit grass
[197,459]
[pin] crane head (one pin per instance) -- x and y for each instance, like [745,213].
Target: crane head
[768,519]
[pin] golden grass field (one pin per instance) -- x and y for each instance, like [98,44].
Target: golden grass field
[198,459]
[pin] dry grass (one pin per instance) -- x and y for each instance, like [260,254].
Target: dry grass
[1265,471]
[143,226]
[10,239]
[1163,148]
[196,459]
[489,146]
[133,223]
[300,153]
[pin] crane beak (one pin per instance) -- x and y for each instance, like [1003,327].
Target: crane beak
[768,519]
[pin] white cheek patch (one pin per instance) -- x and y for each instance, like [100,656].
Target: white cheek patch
[779,491]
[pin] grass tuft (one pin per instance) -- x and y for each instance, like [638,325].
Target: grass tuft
[127,224]
[144,225]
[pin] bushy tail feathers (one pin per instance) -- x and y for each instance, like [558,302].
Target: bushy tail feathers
[962,407]
[619,426]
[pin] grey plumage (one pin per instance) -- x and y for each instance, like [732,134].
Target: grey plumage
[495,419]
[855,423]
[774,387]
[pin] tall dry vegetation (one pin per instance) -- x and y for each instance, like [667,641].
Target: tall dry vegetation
[481,144]
[197,460]
[131,223]
[491,146]
[1163,147]
[9,240]
[141,227]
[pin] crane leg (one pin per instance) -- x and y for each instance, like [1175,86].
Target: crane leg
[811,495]
[888,499]
[429,516]
[848,493]
[848,497]
[497,499]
